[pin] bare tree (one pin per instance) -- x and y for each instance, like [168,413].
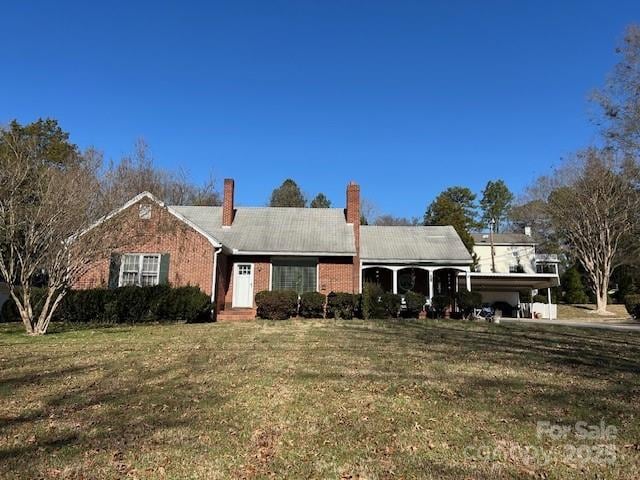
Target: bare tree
[137,173]
[593,203]
[391,221]
[44,208]
[619,99]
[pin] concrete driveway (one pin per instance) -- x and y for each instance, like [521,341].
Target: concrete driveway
[629,325]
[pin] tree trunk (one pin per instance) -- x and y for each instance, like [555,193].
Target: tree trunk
[47,311]
[24,309]
[602,297]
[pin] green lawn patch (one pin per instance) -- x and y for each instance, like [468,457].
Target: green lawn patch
[315,399]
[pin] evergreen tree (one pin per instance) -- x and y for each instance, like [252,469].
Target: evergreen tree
[496,203]
[320,201]
[287,195]
[455,206]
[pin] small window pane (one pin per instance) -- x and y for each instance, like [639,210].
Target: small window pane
[150,264]
[129,278]
[130,263]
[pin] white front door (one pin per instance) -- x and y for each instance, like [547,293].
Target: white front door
[243,285]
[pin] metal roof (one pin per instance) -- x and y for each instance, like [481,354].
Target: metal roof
[277,230]
[503,239]
[412,243]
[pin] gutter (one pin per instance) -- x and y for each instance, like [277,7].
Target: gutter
[213,276]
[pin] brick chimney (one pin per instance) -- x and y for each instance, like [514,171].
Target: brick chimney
[227,203]
[353,216]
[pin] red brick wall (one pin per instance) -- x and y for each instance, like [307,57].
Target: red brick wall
[227,202]
[353,216]
[190,253]
[336,274]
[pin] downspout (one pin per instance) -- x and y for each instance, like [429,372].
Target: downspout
[213,278]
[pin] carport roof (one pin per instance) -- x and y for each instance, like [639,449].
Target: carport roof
[512,281]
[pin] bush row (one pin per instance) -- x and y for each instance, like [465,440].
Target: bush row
[125,305]
[373,303]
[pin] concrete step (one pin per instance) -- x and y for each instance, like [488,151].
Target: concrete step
[233,314]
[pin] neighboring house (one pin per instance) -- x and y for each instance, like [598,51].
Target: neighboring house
[514,267]
[231,253]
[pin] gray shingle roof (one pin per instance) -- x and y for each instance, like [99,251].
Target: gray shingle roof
[503,238]
[303,231]
[426,244]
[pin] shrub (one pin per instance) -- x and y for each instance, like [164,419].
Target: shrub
[342,305]
[414,303]
[440,303]
[136,305]
[539,299]
[467,301]
[87,306]
[277,305]
[312,305]
[390,305]
[632,302]
[187,304]
[372,301]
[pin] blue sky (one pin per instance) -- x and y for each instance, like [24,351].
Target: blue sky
[404,97]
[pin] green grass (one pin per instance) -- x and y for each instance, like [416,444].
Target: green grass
[312,399]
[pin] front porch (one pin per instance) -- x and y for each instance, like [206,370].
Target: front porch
[430,280]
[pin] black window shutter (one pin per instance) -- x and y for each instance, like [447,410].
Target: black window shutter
[164,269]
[114,270]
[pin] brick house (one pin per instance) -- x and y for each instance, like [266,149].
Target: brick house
[231,253]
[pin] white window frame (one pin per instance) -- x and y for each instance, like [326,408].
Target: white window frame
[141,257]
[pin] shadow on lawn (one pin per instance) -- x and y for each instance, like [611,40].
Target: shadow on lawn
[97,409]
[609,357]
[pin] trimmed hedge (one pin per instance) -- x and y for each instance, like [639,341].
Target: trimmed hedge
[414,303]
[343,305]
[127,305]
[391,305]
[632,302]
[372,301]
[277,305]
[376,303]
[312,305]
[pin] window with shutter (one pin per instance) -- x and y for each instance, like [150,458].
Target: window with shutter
[142,269]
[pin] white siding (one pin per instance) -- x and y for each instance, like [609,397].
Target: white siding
[506,256]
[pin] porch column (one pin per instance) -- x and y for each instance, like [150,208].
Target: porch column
[395,280]
[430,272]
[468,279]
[549,303]
[531,306]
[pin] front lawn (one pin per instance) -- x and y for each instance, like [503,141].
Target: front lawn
[317,399]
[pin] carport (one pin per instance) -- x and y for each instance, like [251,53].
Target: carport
[509,285]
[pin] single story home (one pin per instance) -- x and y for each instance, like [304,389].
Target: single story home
[232,252]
